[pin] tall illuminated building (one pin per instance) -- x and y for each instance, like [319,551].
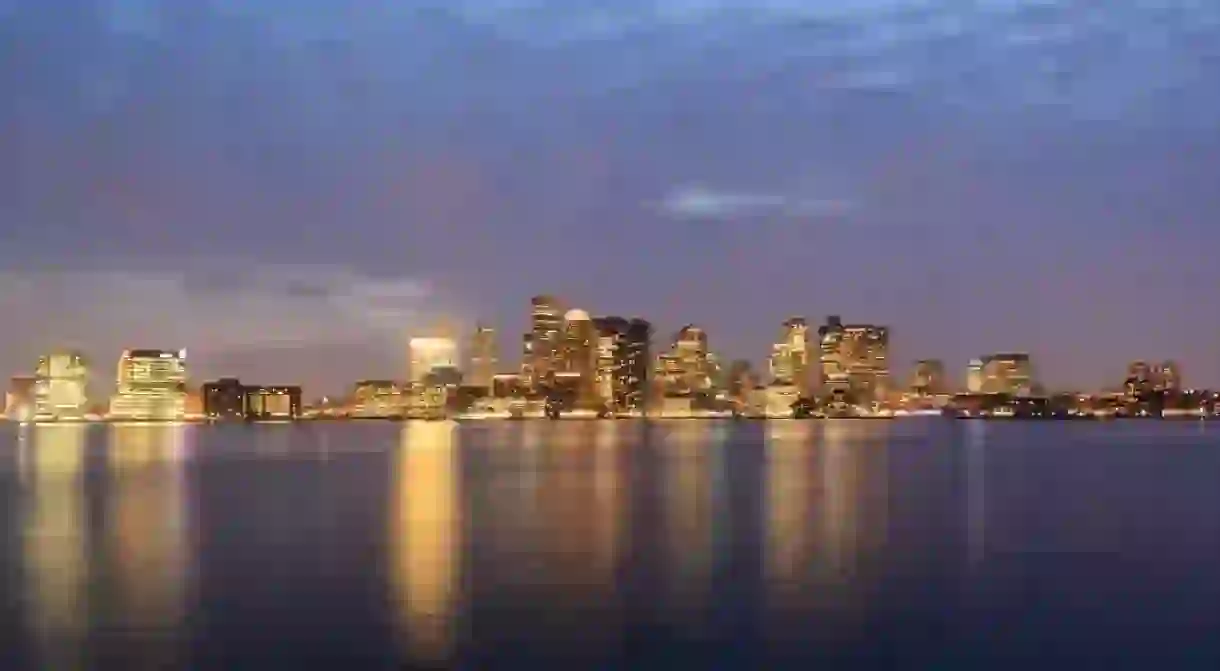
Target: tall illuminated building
[691,350]
[377,399]
[1008,373]
[622,361]
[543,355]
[790,355]
[1170,376]
[483,360]
[928,378]
[854,358]
[974,376]
[151,385]
[579,355]
[430,355]
[59,388]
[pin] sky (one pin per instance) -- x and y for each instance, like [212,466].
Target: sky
[289,189]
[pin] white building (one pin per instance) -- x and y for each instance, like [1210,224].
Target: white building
[429,354]
[59,386]
[151,386]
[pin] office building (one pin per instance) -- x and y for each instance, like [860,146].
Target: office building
[483,360]
[373,399]
[579,358]
[273,402]
[1008,373]
[790,356]
[854,359]
[224,399]
[1170,377]
[543,345]
[974,376]
[60,382]
[928,378]
[430,354]
[622,361]
[151,386]
[740,379]
[20,399]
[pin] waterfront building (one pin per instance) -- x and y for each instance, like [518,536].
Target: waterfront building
[373,399]
[928,378]
[60,386]
[790,356]
[279,402]
[1008,373]
[483,360]
[622,361]
[854,359]
[151,386]
[224,399]
[543,345]
[428,354]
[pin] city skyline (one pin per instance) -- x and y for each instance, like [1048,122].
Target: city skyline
[286,191]
[810,357]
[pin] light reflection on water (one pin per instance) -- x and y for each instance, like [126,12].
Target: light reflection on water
[599,544]
[426,528]
[56,552]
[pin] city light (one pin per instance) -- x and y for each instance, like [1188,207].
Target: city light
[576,365]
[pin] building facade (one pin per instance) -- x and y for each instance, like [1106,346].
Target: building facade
[483,359]
[151,386]
[224,399]
[431,353]
[61,379]
[579,358]
[854,359]
[622,362]
[543,345]
[273,402]
[928,378]
[1008,373]
[790,356]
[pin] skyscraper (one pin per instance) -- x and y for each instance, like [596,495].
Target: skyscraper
[151,385]
[579,354]
[974,376]
[430,354]
[483,360]
[691,349]
[544,344]
[60,381]
[622,361]
[928,378]
[854,358]
[790,356]
[1008,373]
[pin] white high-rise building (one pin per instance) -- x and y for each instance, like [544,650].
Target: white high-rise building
[59,386]
[151,386]
[428,355]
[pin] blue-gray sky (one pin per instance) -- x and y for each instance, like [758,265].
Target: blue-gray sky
[286,188]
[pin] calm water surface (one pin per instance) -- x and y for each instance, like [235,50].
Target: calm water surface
[854,544]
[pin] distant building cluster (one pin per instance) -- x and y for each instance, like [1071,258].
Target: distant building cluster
[574,363]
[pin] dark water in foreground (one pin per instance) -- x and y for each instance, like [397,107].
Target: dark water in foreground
[854,544]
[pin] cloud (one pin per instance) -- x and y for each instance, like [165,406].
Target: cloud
[215,310]
[698,202]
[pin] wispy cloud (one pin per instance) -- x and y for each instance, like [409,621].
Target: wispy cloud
[699,202]
[214,309]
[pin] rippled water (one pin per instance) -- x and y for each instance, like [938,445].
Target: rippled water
[903,544]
